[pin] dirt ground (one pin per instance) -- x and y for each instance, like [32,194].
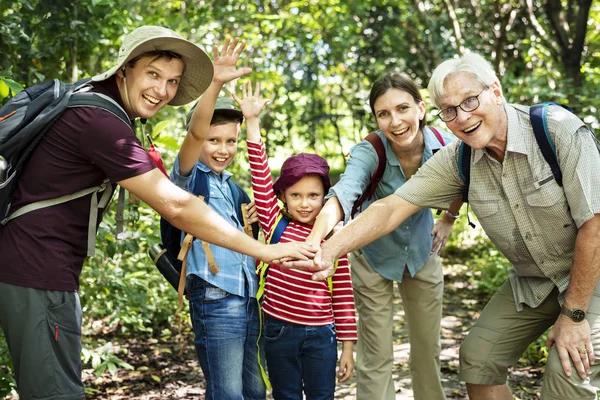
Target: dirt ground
[160,373]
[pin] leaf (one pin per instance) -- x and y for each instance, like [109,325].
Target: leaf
[167,142]
[156,378]
[96,360]
[14,86]
[112,368]
[4,90]
[124,364]
[159,127]
[137,274]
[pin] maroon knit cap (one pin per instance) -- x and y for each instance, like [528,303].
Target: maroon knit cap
[296,167]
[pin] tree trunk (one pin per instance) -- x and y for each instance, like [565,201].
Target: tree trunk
[570,28]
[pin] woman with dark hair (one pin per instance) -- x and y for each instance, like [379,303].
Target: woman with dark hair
[408,255]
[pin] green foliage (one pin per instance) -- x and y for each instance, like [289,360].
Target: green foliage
[120,285]
[487,265]
[8,88]
[104,358]
[537,352]
[7,382]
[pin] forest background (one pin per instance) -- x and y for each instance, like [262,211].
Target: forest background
[318,59]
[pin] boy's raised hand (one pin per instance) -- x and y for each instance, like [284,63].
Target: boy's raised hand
[225,61]
[250,103]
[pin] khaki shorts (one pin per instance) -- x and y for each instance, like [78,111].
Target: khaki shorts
[43,332]
[501,335]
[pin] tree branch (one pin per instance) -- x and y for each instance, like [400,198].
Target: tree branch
[559,25]
[456,27]
[541,33]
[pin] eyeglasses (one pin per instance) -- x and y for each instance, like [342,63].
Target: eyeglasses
[468,105]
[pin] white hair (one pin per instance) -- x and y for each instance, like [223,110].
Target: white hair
[471,63]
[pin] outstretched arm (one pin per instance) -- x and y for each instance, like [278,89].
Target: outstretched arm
[379,219]
[192,215]
[225,67]
[328,218]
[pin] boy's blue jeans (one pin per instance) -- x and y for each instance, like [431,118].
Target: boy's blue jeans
[226,328]
[300,358]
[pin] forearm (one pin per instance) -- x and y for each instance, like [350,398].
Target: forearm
[190,214]
[379,219]
[253,129]
[454,210]
[347,346]
[198,128]
[328,217]
[204,223]
[200,121]
[585,269]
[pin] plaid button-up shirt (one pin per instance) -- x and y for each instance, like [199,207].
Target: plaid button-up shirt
[532,220]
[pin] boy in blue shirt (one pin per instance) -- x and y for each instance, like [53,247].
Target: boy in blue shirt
[223,305]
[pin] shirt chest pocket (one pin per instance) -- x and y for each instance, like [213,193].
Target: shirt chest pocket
[221,201]
[499,225]
[552,218]
[488,212]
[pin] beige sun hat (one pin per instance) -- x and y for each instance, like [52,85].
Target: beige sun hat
[198,68]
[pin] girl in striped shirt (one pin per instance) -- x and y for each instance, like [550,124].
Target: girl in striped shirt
[303,318]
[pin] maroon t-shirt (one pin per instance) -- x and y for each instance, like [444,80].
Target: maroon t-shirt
[45,249]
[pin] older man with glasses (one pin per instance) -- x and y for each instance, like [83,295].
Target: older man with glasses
[547,231]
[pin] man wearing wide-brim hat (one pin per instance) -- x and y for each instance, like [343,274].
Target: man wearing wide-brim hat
[43,250]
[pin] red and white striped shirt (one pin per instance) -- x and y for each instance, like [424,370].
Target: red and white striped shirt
[291,295]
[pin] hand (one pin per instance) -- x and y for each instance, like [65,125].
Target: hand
[440,233]
[277,253]
[346,362]
[251,212]
[323,262]
[250,104]
[570,337]
[225,64]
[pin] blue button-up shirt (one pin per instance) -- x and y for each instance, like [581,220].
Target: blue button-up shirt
[409,245]
[235,269]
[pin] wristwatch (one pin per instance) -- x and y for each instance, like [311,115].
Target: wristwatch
[576,314]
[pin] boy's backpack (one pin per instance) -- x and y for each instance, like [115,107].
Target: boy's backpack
[377,144]
[171,236]
[537,115]
[276,232]
[25,119]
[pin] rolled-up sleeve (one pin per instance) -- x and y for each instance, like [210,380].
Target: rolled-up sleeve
[437,183]
[355,179]
[579,162]
[180,180]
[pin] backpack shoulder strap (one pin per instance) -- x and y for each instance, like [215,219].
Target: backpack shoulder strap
[537,115]
[201,186]
[464,168]
[438,135]
[276,232]
[241,197]
[330,279]
[377,144]
[93,99]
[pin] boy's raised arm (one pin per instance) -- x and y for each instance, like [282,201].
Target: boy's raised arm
[225,70]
